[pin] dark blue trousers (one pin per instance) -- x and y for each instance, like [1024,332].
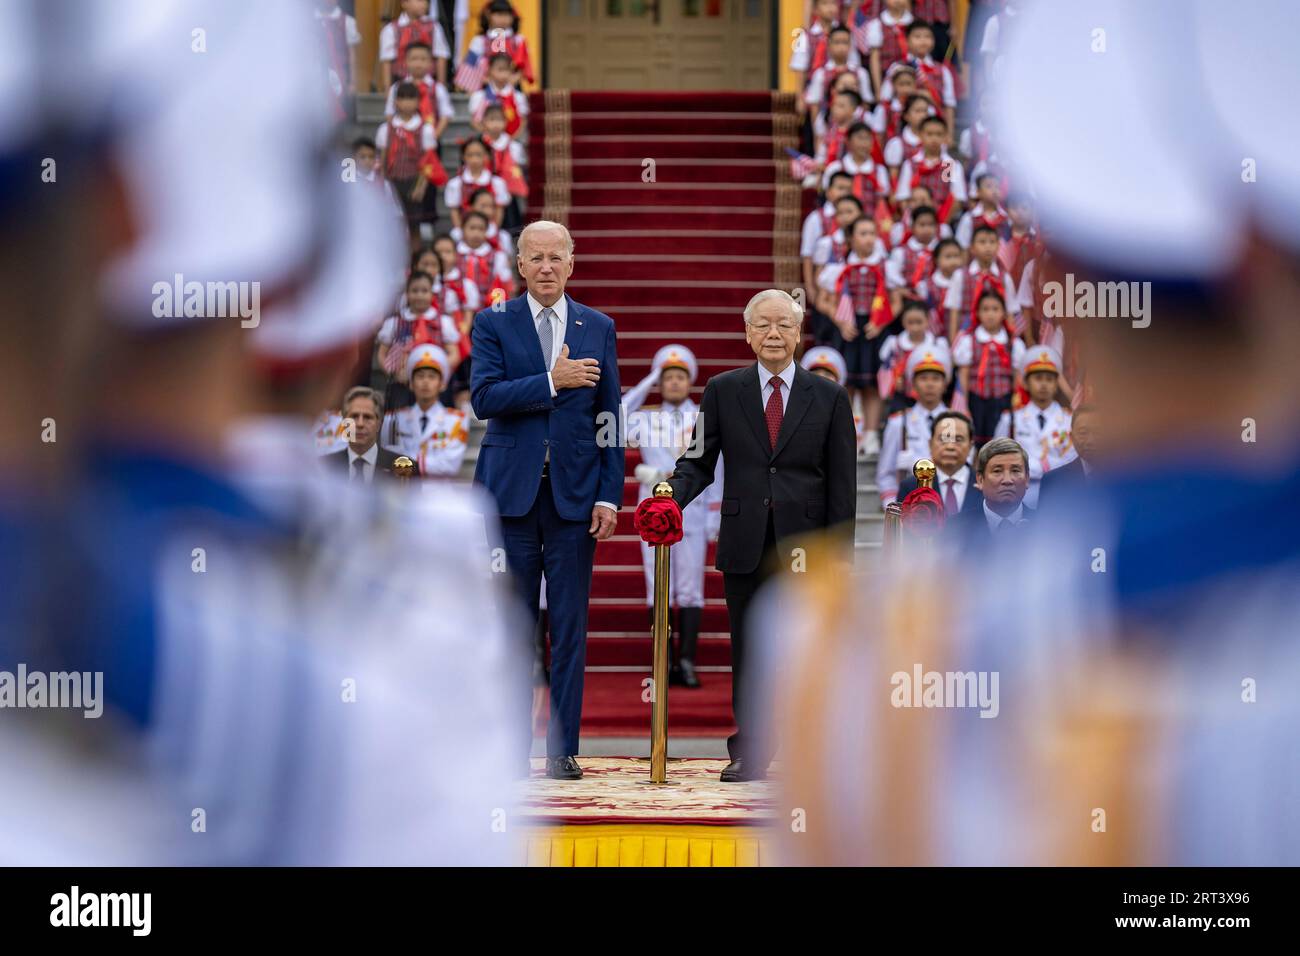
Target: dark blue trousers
[542,540]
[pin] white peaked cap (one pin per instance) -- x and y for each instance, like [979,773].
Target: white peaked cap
[225,118]
[422,356]
[1136,150]
[823,356]
[356,280]
[934,357]
[1040,358]
[676,356]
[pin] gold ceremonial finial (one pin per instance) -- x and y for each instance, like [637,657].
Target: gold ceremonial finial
[924,471]
[403,467]
[663,490]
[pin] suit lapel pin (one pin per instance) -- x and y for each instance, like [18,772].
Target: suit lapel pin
[577,321]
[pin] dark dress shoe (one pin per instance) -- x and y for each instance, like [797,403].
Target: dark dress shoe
[688,674]
[563,768]
[675,677]
[738,772]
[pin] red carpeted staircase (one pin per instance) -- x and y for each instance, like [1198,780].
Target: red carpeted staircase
[674,258]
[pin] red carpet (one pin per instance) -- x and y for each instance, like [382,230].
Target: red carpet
[675,258]
[612,706]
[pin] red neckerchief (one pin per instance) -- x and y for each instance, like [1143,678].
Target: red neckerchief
[428,108]
[835,141]
[922,168]
[471,264]
[874,268]
[407,139]
[894,120]
[859,191]
[922,269]
[998,347]
[506,100]
[820,43]
[997,222]
[423,33]
[977,290]
[931,77]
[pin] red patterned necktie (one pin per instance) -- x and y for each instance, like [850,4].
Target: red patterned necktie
[774,411]
[949,498]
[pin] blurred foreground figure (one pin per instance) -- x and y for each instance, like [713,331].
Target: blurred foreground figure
[1121,688]
[286,677]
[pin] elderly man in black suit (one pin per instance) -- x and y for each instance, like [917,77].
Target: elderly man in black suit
[788,441]
[950,441]
[1002,475]
[363,460]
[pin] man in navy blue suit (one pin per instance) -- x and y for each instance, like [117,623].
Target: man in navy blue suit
[545,375]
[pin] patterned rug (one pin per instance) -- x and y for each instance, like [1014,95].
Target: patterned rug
[614,790]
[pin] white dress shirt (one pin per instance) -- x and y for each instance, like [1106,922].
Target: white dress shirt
[765,381]
[995,520]
[558,325]
[368,461]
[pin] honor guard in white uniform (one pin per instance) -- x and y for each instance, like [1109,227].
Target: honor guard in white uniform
[828,362]
[287,676]
[662,433]
[1041,426]
[907,433]
[428,432]
[1130,703]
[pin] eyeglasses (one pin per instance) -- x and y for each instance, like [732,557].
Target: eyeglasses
[785,328]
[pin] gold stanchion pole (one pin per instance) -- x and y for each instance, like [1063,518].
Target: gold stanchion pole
[403,468]
[893,538]
[662,625]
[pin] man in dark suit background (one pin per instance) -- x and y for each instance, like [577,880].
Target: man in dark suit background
[788,441]
[1075,476]
[363,460]
[950,440]
[1002,475]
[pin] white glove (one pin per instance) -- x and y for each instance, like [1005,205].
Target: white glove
[648,474]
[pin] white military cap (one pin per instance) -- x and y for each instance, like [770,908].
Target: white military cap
[823,356]
[934,357]
[676,356]
[1138,126]
[1040,358]
[427,356]
[221,145]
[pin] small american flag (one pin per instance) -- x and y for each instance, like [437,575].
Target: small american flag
[472,70]
[959,403]
[860,21]
[395,359]
[801,164]
[844,314]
